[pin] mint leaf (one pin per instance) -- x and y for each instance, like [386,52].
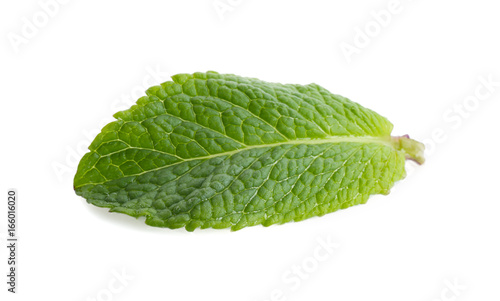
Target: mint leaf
[219,150]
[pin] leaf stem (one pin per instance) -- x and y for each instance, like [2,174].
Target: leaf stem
[413,149]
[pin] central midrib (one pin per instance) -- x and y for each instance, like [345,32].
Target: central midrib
[330,140]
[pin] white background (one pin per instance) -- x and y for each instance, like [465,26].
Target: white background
[439,228]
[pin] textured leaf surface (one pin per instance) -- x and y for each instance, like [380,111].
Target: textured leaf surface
[214,150]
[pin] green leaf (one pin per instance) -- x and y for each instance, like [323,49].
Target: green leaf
[218,150]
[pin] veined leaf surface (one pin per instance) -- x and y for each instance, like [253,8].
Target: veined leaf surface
[219,150]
